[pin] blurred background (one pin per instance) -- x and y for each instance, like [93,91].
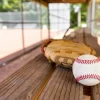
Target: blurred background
[24,24]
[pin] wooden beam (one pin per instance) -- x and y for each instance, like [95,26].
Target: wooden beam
[66,1]
[44,2]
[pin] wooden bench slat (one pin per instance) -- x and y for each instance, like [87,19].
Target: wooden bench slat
[68,89]
[25,82]
[99,89]
[81,92]
[96,92]
[62,96]
[16,82]
[28,82]
[18,79]
[56,90]
[77,93]
[20,71]
[49,84]
[73,88]
[30,92]
[62,87]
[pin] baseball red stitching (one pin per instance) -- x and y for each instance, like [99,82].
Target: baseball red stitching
[88,76]
[87,61]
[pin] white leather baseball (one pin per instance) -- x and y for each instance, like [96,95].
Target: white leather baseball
[86,70]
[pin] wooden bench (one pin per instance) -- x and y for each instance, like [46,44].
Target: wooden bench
[96,92]
[88,39]
[62,86]
[25,83]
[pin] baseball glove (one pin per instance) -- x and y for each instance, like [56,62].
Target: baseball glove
[64,52]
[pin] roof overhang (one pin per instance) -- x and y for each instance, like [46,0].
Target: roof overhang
[66,1]
[45,2]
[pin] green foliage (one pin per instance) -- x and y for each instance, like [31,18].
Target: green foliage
[83,12]
[74,14]
[44,15]
[73,17]
[10,5]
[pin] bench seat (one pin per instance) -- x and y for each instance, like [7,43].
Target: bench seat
[26,82]
[96,92]
[62,86]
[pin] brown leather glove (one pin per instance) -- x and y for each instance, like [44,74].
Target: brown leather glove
[64,51]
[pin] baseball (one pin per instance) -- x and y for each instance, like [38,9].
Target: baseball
[86,70]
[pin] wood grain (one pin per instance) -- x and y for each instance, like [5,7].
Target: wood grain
[62,86]
[27,81]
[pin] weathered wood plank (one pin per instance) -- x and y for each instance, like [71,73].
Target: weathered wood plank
[96,92]
[50,87]
[56,92]
[62,96]
[77,93]
[62,87]
[24,83]
[49,84]
[80,92]
[68,89]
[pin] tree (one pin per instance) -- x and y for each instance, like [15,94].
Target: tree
[74,14]
[73,17]
[11,5]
